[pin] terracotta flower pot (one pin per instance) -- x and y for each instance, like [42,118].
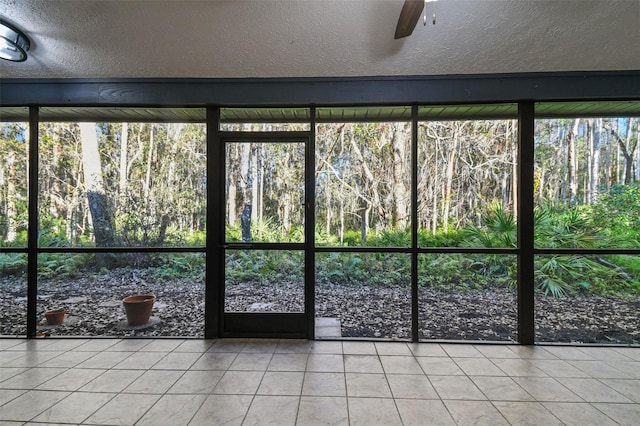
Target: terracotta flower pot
[138,308]
[55,316]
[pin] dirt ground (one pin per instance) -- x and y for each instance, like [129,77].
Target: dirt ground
[94,308]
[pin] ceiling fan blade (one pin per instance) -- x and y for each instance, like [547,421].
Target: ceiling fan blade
[409,16]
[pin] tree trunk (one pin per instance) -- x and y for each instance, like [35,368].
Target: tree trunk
[573,162]
[638,151]
[401,194]
[435,209]
[260,200]
[53,191]
[341,221]
[365,208]
[284,190]
[594,138]
[124,146]
[451,159]
[627,149]
[99,205]
[286,212]
[372,199]
[4,201]
[254,182]
[245,221]
[514,170]
[147,180]
[608,166]
[231,199]
[232,188]
[11,231]
[328,213]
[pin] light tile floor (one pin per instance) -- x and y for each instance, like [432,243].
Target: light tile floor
[281,382]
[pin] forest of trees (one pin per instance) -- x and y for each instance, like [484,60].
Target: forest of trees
[144,184]
[465,170]
[578,159]
[130,184]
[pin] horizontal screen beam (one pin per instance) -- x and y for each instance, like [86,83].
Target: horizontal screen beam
[620,85]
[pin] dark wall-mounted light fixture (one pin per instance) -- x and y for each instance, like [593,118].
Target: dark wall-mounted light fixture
[13,43]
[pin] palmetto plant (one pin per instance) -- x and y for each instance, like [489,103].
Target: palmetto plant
[568,229]
[556,275]
[560,275]
[498,231]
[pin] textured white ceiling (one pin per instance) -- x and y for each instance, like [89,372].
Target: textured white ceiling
[287,38]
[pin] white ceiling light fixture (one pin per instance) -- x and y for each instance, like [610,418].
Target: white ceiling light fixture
[13,43]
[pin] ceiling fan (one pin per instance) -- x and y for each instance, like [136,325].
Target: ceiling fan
[409,16]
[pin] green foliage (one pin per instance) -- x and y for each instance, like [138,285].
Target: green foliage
[63,265]
[180,265]
[453,238]
[146,225]
[19,241]
[363,269]
[499,230]
[388,238]
[614,275]
[556,275]
[196,239]
[296,234]
[560,275]
[170,173]
[53,233]
[13,264]
[262,266]
[622,278]
[352,238]
[322,239]
[233,234]
[618,214]
[612,222]
[568,228]
[466,271]
[266,231]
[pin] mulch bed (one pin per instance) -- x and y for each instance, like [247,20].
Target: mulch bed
[94,307]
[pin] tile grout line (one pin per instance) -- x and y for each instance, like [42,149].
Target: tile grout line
[434,388]
[162,395]
[346,389]
[386,377]
[183,370]
[488,399]
[605,414]
[255,393]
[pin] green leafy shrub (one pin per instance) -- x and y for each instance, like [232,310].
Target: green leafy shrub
[618,214]
[180,265]
[387,238]
[564,228]
[61,265]
[266,231]
[465,272]
[453,238]
[499,230]
[560,275]
[196,239]
[13,264]
[363,269]
[260,267]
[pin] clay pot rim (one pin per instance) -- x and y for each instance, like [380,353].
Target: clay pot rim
[55,311]
[139,298]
